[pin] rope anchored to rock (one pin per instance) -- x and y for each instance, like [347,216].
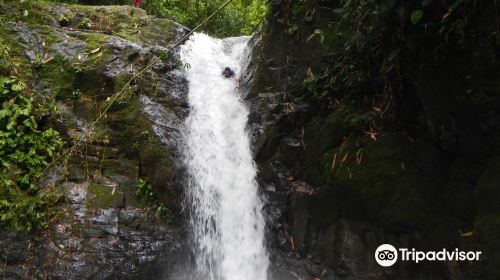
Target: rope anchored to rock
[112,100]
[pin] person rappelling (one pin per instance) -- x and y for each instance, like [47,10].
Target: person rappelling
[228,73]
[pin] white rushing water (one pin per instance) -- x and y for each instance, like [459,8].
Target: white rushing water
[227,223]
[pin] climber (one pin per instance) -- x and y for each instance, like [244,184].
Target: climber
[228,73]
[136,3]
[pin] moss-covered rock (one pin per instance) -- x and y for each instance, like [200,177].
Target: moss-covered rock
[105,196]
[422,177]
[78,60]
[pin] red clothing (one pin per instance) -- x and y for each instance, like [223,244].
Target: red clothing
[136,3]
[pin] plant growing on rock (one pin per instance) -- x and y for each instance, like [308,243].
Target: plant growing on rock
[146,193]
[25,152]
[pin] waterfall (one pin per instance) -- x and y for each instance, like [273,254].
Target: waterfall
[226,220]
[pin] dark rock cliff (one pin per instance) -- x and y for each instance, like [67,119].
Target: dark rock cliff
[421,182]
[83,56]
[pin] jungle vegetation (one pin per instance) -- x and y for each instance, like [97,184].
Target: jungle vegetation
[240,17]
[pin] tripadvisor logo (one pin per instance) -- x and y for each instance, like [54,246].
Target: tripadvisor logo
[387,255]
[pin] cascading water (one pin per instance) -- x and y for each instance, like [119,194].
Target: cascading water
[226,222]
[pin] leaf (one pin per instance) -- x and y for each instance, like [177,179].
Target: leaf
[17,87]
[446,15]
[292,29]
[467,234]
[95,50]
[344,158]
[25,13]
[48,59]
[316,32]
[416,16]
[334,161]
[162,54]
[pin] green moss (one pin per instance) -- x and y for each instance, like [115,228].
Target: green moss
[58,75]
[122,21]
[388,176]
[324,134]
[129,127]
[101,196]
[12,57]
[152,151]
[119,82]
[125,31]
[39,12]
[136,136]
[385,157]
[95,50]
[112,167]
[82,85]
[48,35]
[95,40]
[157,31]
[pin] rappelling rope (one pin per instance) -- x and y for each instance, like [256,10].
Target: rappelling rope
[127,84]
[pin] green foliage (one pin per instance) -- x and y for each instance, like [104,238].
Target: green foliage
[5,63]
[22,211]
[316,85]
[146,193]
[38,61]
[24,153]
[372,41]
[416,16]
[84,24]
[94,2]
[240,17]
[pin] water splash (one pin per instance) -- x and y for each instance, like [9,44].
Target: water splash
[227,223]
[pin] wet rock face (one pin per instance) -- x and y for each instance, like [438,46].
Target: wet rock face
[332,199]
[93,243]
[103,230]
